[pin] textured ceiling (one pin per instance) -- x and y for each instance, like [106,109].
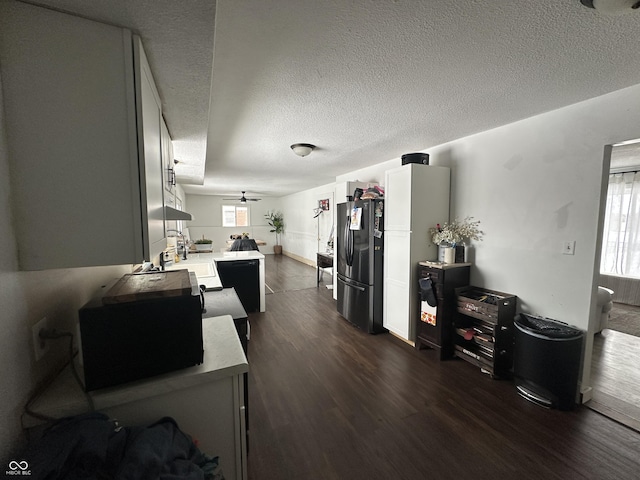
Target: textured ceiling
[364,80]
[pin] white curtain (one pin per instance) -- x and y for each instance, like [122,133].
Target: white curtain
[621,235]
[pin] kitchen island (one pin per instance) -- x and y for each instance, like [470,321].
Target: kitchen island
[205,266]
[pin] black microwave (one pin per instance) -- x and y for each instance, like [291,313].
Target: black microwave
[138,339]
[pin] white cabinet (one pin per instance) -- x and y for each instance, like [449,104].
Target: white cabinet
[206,400]
[397,278]
[168,171]
[416,199]
[83,190]
[150,123]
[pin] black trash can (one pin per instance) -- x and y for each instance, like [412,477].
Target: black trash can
[546,361]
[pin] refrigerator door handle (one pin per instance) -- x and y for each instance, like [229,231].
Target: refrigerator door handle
[350,233]
[362,289]
[348,240]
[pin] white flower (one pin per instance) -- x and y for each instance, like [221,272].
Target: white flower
[456,232]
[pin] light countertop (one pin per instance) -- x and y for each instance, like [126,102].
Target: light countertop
[204,266]
[231,256]
[223,357]
[442,265]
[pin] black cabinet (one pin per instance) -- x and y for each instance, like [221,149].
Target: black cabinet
[436,332]
[244,276]
[484,329]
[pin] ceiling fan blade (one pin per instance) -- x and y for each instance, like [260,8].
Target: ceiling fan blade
[242,199]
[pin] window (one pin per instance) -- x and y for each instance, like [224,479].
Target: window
[621,234]
[235,216]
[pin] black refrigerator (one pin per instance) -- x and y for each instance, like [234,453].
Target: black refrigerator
[359,253]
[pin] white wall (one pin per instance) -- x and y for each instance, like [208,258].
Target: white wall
[25,298]
[372,174]
[207,220]
[300,238]
[533,184]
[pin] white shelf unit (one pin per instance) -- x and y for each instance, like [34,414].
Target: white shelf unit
[416,199]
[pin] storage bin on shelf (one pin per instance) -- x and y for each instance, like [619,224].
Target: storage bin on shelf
[484,329]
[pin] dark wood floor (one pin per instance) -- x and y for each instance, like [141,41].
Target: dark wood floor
[285,274]
[328,401]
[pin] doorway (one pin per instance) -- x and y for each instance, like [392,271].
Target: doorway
[615,378]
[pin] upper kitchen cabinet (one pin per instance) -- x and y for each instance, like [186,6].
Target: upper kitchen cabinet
[150,144]
[168,171]
[83,120]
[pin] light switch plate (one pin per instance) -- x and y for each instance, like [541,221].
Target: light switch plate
[569,248]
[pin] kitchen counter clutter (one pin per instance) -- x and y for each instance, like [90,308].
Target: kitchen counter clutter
[207,400]
[206,266]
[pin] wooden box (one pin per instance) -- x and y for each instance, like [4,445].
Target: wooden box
[484,304]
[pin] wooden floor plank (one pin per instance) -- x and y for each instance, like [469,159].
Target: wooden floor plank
[615,377]
[328,401]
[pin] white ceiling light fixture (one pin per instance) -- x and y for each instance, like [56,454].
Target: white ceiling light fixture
[612,7]
[302,149]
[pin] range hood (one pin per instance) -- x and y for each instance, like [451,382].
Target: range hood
[171,213]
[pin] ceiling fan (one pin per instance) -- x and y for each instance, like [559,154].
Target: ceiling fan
[244,199]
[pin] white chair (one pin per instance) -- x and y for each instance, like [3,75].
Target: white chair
[604,304]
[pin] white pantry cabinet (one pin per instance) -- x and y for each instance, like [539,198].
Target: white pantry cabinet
[416,199]
[83,137]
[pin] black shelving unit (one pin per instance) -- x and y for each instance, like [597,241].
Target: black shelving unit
[483,329]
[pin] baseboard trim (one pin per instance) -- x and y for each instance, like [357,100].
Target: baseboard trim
[586,395]
[403,339]
[306,261]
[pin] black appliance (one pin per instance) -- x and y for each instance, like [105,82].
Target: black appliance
[546,361]
[359,252]
[421,158]
[138,339]
[244,276]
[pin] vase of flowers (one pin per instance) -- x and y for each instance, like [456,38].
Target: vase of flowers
[451,236]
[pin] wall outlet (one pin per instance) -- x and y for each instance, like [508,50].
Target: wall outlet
[40,345]
[569,248]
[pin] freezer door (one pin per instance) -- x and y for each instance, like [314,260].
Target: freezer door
[355,303]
